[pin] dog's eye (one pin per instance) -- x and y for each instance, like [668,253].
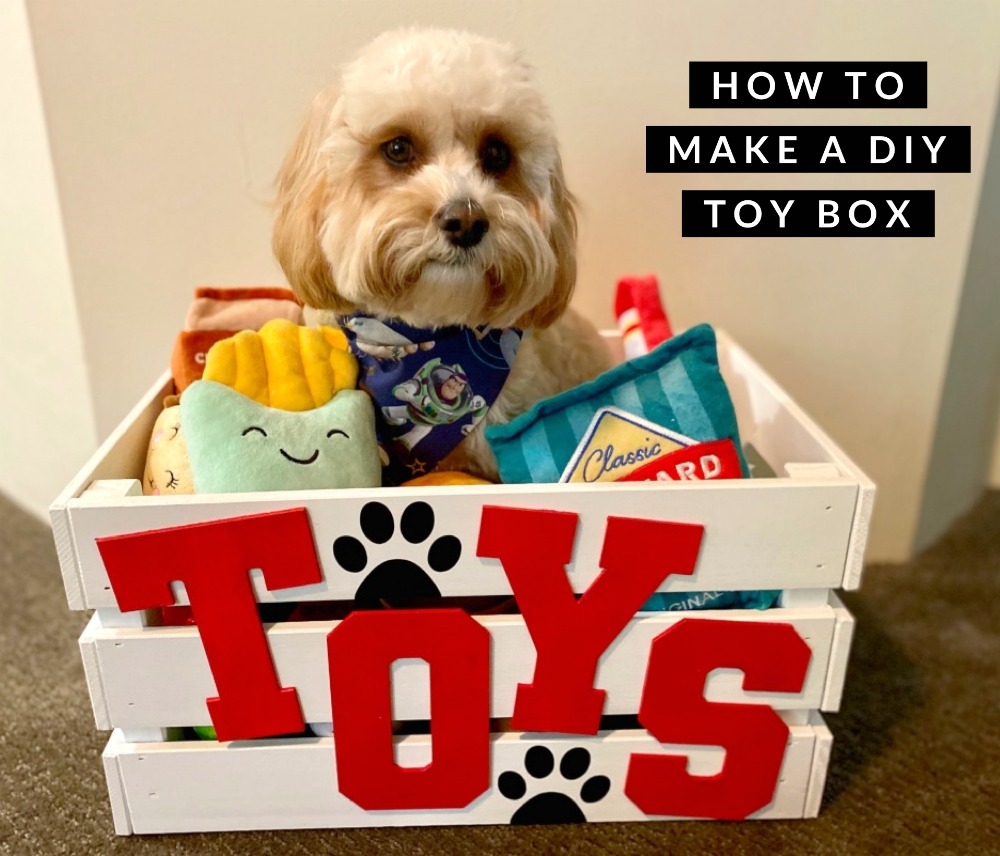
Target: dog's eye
[399,151]
[495,156]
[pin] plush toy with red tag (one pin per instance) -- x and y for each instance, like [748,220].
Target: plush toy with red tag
[642,319]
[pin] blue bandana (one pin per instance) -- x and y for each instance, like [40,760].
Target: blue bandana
[430,387]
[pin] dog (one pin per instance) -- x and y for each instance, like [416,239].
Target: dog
[424,191]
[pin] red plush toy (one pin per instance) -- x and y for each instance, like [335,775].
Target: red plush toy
[640,314]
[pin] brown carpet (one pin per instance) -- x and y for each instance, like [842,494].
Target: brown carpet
[916,761]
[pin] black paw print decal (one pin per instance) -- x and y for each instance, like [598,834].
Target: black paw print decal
[396,583]
[552,806]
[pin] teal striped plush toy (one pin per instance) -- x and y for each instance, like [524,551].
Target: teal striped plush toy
[677,386]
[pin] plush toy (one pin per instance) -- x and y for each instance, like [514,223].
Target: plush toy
[445,477]
[237,444]
[641,317]
[284,365]
[676,388]
[276,410]
[168,469]
[218,313]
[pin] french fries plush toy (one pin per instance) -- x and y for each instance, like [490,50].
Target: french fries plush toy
[278,410]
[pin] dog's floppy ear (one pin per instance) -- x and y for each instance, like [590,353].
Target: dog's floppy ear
[562,240]
[302,189]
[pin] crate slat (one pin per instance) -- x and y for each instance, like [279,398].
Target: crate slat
[159,677]
[765,534]
[292,784]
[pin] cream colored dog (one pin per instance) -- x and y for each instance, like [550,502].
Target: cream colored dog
[426,186]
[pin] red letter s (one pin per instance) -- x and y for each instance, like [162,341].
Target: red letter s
[773,658]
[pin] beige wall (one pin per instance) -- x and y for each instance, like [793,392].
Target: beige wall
[46,418]
[168,121]
[967,413]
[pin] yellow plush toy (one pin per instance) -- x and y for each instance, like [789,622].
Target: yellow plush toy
[284,365]
[444,478]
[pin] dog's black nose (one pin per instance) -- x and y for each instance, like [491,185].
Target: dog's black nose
[463,221]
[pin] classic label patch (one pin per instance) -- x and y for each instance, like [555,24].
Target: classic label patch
[717,459]
[616,443]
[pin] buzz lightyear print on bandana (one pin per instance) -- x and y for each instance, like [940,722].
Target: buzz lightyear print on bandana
[430,387]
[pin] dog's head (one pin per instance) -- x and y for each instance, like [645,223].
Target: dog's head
[426,185]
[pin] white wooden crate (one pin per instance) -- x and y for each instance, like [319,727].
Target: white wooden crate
[802,531]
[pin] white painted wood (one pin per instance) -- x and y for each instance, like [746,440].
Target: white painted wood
[799,716]
[62,532]
[859,535]
[111,617]
[843,634]
[148,735]
[811,471]
[69,564]
[800,598]
[123,453]
[116,785]
[92,672]
[102,489]
[783,434]
[291,784]
[820,765]
[160,676]
[768,417]
[759,534]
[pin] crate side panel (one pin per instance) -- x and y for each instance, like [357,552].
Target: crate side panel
[187,787]
[69,563]
[840,654]
[772,421]
[122,455]
[784,434]
[822,747]
[863,512]
[769,534]
[89,653]
[120,814]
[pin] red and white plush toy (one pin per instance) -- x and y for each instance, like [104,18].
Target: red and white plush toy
[641,317]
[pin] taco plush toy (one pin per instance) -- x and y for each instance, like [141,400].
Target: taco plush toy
[168,469]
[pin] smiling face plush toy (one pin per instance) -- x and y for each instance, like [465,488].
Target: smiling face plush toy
[277,411]
[236,444]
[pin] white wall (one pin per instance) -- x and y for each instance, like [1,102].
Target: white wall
[47,425]
[168,120]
